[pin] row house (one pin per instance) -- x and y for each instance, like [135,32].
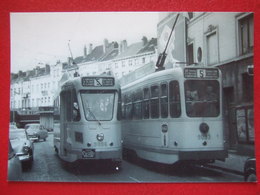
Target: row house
[33,89]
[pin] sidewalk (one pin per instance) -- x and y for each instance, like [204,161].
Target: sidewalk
[234,163]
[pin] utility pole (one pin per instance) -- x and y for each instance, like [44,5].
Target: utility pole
[70,50]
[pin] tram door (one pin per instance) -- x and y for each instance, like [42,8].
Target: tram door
[68,99]
[164,111]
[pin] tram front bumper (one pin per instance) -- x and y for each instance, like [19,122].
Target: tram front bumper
[203,155]
[94,154]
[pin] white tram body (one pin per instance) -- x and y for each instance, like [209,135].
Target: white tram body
[90,126]
[168,116]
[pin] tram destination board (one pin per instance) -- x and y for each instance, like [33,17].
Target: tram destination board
[206,73]
[98,82]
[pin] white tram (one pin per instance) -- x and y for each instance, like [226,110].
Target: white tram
[90,125]
[174,115]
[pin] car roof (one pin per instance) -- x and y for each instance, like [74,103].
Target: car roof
[33,124]
[17,130]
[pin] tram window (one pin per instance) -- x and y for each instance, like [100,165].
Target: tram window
[70,104]
[155,102]
[98,105]
[202,98]
[137,105]
[145,103]
[174,98]
[129,106]
[164,101]
[123,106]
[119,106]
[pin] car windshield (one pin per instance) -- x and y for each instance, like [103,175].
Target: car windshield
[98,104]
[202,98]
[32,127]
[17,135]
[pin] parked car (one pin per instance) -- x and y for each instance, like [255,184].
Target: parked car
[22,146]
[36,132]
[14,165]
[250,170]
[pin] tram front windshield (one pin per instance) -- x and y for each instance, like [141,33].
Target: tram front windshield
[202,98]
[98,104]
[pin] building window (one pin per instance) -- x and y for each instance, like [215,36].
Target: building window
[246,34]
[123,63]
[248,87]
[143,60]
[212,48]
[245,124]
[130,62]
[190,54]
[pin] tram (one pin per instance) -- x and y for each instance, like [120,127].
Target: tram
[174,115]
[90,127]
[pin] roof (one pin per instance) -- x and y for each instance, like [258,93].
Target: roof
[131,50]
[110,55]
[149,47]
[96,53]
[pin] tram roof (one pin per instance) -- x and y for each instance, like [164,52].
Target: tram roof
[157,76]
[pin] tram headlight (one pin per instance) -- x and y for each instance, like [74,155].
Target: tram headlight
[164,128]
[100,137]
[204,128]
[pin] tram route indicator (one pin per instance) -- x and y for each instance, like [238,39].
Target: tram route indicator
[97,82]
[206,73]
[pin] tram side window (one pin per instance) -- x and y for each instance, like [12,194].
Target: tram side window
[174,98]
[129,106]
[137,104]
[145,103]
[119,106]
[155,102]
[123,107]
[164,100]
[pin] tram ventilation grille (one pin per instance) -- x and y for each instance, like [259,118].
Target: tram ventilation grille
[79,137]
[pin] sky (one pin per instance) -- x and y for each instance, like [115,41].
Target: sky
[42,38]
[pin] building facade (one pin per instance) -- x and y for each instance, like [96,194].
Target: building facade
[38,88]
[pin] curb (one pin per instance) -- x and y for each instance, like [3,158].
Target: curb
[225,169]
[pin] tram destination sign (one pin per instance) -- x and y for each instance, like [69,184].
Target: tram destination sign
[97,81]
[203,73]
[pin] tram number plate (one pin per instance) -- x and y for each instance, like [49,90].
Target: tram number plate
[204,137]
[88,153]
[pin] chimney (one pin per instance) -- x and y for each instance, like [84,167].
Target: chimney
[28,73]
[123,46]
[20,73]
[145,41]
[105,46]
[47,68]
[90,47]
[85,51]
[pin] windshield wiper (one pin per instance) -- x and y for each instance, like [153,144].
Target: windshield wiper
[93,115]
[95,118]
